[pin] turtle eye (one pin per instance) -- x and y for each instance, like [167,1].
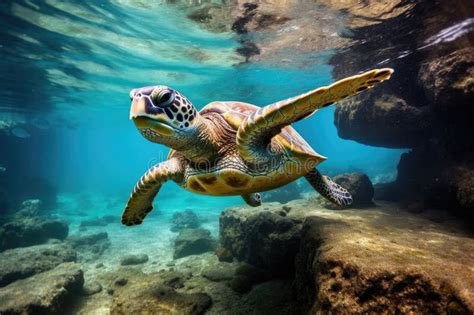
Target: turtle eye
[164,98]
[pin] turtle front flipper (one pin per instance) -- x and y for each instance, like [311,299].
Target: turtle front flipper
[257,130]
[141,200]
[253,200]
[329,189]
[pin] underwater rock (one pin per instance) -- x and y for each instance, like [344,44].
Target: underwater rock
[360,187]
[434,93]
[121,281]
[382,261]
[387,191]
[193,242]
[385,120]
[29,208]
[368,12]
[146,292]
[89,247]
[246,276]
[262,238]
[20,263]
[91,288]
[267,29]
[441,184]
[221,272]
[49,292]
[447,80]
[134,259]
[186,219]
[257,275]
[241,284]
[224,254]
[271,297]
[31,231]
[213,17]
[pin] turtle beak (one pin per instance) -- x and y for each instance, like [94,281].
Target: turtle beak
[138,108]
[142,119]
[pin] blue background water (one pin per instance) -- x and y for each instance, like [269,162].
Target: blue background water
[71,65]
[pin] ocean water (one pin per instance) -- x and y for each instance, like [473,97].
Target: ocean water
[70,66]
[66,138]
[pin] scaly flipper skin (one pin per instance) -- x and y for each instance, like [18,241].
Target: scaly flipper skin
[141,200]
[258,128]
[329,189]
[253,200]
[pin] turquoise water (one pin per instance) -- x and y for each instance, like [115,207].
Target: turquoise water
[70,157]
[68,68]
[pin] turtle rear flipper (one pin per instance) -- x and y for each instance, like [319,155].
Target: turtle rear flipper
[141,200]
[329,189]
[261,126]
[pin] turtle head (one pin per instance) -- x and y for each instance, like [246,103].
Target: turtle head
[163,115]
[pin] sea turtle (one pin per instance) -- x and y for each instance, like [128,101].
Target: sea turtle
[233,148]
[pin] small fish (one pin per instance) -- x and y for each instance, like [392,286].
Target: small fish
[20,133]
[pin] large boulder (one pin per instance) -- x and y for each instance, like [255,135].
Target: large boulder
[193,242]
[267,239]
[89,246]
[448,80]
[426,106]
[360,261]
[49,292]
[29,208]
[31,231]
[383,261]
[156,293]
[382,120]
[20,263]
[133,259]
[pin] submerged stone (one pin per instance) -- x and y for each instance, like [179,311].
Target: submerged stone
[383,262]
[91,288]
[134,259]
[193,242]
[154,293]
[356,260]
[49,292]
[20,263]
[262,238]
[31,231]
[91,246]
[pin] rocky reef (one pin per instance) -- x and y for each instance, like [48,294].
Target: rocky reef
[192,242]
[292,258]
[27,227]
[426,107]
[356,261]
[49,292]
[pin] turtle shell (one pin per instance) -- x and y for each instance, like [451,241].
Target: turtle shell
[235,113]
